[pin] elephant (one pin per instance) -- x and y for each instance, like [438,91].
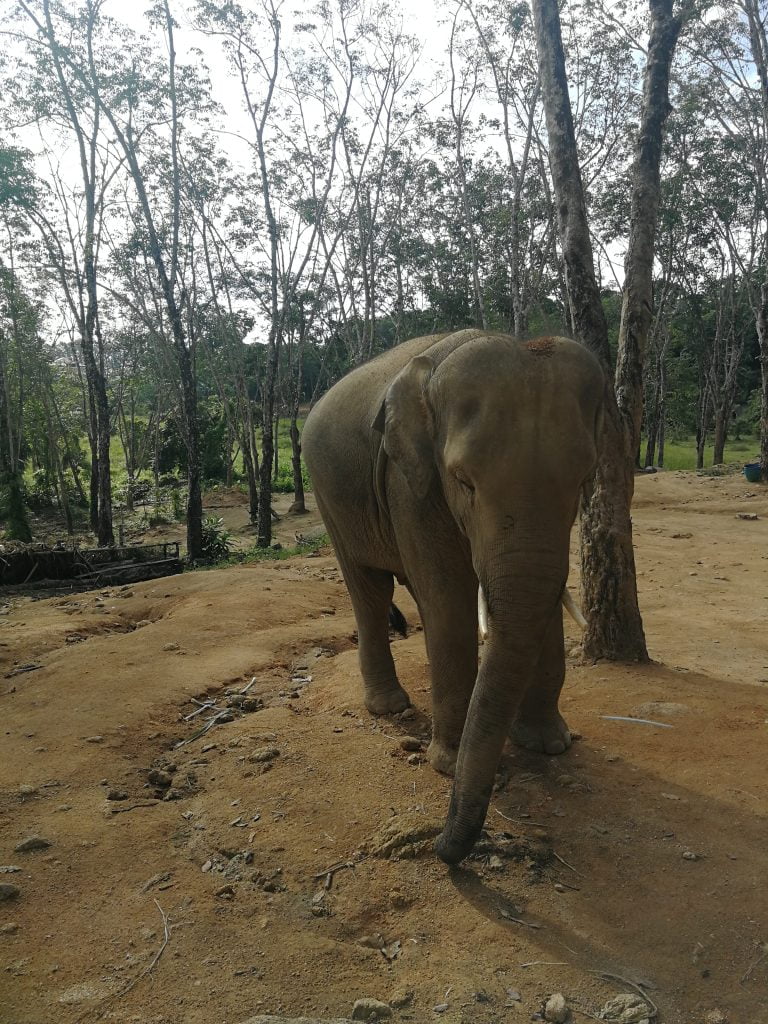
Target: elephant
[454,463]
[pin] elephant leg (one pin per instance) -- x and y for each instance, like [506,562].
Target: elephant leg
[539,725]
[450,627]
[371,593]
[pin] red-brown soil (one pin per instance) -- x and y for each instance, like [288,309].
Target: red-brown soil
[621,808]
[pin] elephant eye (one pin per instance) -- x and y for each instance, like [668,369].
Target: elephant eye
[467,486]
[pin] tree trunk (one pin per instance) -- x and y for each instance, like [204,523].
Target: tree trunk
[16,523]
[762,334]
[609,588]
[721,432]
[662,431]
[264,537]
[298,506]
[702,422]
[277,448]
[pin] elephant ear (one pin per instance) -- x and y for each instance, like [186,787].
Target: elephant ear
[405,420]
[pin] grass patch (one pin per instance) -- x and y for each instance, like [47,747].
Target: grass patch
[681,454]
[256,554]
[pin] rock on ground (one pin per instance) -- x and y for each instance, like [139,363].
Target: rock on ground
[270,1019]
[556,1009]
[626,1009]
[371,1009]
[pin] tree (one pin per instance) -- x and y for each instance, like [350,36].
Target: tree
[57,77]
[609,584]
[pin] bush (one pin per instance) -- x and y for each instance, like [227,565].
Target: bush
[177,505]
[217,542]
[284,482]
[12,510]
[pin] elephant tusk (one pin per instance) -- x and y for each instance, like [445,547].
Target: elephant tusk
[568,603]
[482,613]
[573,609]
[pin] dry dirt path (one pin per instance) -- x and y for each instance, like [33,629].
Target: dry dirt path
[662,831]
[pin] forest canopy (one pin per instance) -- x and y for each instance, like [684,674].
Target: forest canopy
[210,212]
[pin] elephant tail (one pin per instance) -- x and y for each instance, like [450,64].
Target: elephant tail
[397,621]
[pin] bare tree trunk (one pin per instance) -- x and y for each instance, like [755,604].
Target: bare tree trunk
[662,427]
[298,505]
[702,423]
[609,587]
[720,434]
[759,46]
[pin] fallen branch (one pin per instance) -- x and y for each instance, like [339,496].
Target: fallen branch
[545,963]
[329,873]
[521,821]
[166,937]
[201,732]
[637,721]
[32,667]
[505,914]
[132,807]
[569,866]
[751,968]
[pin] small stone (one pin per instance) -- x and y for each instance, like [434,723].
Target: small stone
[626,1008]
[415,759]
[440,1008]
[10,869]
[31,844]
[513,996]
[148,934]
[94,739]
[410,743]
[127,593]
[170,647]
[9,928]
[371,1009]
[556,1009]
[715,1017]
[226,892]
[8,891]
[117,794]
[143,622]
[559,887]
[64,807]
[27,790]
[690,855]
[402,997]
[407,715]
[262,754]
[251,704]
[160,778]
[372,941]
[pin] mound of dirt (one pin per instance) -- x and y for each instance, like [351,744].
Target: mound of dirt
[206,859]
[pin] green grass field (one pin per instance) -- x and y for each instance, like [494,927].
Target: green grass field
[678,455]
[682,454]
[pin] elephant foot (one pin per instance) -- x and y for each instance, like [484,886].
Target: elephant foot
[388,702]
[442,758]
[550,737]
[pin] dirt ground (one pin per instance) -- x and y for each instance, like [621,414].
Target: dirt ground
[635,862]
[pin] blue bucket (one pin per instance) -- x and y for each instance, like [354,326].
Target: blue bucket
[752,472]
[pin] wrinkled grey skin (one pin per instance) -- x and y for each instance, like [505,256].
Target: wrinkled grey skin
[449,460]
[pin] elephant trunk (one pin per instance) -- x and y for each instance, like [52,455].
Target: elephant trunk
[521,603]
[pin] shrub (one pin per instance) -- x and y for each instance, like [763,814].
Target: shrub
[217,542]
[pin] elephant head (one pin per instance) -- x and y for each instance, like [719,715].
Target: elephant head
[505,433]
